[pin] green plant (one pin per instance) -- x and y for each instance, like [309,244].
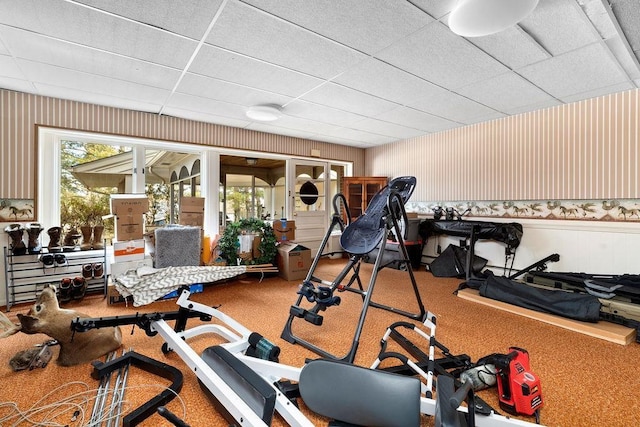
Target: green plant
[228,243]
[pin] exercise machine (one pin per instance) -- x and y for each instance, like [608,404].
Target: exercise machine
[246,387]
[359,238]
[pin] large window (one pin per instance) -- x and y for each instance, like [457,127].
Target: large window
[78,172]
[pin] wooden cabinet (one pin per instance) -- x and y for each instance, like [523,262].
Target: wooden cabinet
[359,190]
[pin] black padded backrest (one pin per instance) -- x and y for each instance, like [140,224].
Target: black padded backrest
[360,396]
[250,386]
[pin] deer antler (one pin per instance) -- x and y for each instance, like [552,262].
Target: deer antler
[7,327]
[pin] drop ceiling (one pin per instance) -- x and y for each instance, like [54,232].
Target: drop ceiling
[352,72]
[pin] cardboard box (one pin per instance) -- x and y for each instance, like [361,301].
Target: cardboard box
[128,211]
[192,204]
[293,261]
[191,218]
[132,250]
[284,230]
[191,211]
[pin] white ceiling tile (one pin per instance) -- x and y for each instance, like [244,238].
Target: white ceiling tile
[59,19]
[84,82]
[204,117]
[93,97]
[3,47]
[203,105]
[627,13]
[321,113]
[16,84]
[626,59]
[436,8]
[358,135]
[41,49]
[297,123]
[417,119]
[454,107]
[388,82]
[206,87]
[224,65]
[505,93]
[9,68]
[579,71]
[559,26]
[594,93]
[280,130]
[441,57]
[389,129]
[245,30]
[187,17]
[536,106]
[344,98]
[342,141]
[512,47]
[366,26]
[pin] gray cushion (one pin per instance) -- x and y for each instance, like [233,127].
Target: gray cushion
[360,396]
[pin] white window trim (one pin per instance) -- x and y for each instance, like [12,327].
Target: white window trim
[49,143]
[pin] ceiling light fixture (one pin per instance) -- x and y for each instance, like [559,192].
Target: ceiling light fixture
[264,113]
[251,161]
[476,18]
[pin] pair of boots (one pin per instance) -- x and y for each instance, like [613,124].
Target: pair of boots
[70,289]
[16,233]
[91,237]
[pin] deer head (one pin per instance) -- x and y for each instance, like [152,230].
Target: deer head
[46,317]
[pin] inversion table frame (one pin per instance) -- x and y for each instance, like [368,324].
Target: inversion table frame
[366,233]
[237,342]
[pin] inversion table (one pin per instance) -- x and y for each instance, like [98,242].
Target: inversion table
[368,232]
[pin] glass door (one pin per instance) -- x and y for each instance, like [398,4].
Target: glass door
[308,195]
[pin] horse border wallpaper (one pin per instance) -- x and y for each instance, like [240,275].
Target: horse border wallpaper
[590,210]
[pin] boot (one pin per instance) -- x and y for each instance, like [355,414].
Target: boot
[16,232]
[55,233]
[33,231]
[64,293]
[97,237]
[71,240]
[87,243]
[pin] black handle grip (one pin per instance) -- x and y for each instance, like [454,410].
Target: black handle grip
[460,394]
[171,417]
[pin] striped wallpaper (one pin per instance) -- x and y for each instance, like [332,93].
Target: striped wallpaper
[584,150]
[21,113]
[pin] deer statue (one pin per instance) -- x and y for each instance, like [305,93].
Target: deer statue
[46,317]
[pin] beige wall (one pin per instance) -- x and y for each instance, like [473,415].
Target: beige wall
[585,150]
[21,113]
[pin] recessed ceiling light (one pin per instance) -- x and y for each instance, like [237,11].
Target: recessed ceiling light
[476,18]
[264,113]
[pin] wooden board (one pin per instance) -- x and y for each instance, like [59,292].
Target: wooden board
[604,330]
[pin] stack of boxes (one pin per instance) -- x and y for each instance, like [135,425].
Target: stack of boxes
[128,211]
[293,259]
[191,211]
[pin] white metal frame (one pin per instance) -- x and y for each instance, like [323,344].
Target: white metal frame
[237,336]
